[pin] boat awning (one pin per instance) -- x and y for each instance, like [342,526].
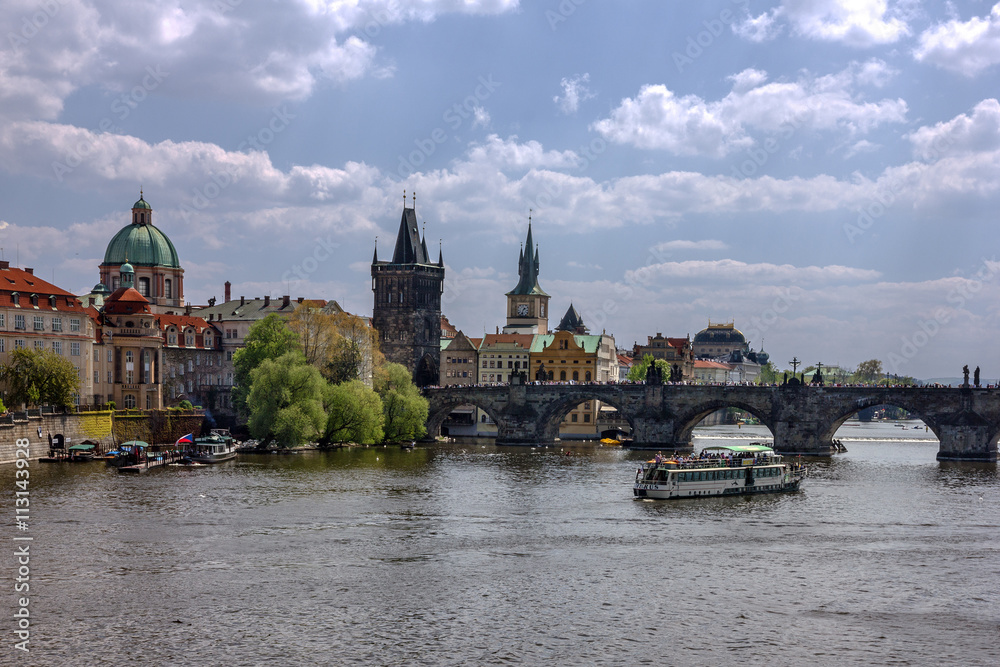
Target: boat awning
[81,447]
[745,449]
[133,443]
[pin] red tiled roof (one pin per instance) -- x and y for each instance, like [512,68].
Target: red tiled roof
[26,284]
[126,300]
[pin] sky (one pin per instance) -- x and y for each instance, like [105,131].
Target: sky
[823,174]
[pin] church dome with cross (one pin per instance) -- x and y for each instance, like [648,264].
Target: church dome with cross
[158,272]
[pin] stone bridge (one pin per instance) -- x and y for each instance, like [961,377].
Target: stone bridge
[802,419]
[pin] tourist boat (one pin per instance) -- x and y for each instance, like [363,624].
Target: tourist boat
[216,447]
[723,470]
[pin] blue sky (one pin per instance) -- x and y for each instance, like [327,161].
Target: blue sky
[825,174]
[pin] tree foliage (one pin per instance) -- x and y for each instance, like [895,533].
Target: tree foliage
[639,369]
[354,414]
[268,338]
[39,377]
[342,346]
[404,409]
[768,374]
[868,371]
[286,401]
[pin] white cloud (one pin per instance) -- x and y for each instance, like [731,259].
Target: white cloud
[575,90]
[859,23]
[480,117]
[657,119]
[737,272]
[273,51]
[707,244]
[962,134]
[509,154]
[966,47]
[761,28]
[874,72]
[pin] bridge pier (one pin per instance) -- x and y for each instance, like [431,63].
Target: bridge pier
[801,437]
[966,442]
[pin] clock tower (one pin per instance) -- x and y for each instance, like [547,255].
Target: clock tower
[527,304]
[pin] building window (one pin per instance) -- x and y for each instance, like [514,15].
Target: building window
[587,376]
[74,349]
[562,376]
[572,417]
[57,324]
[189,339]
[149,401]
[129,401]
[586,417]
[18,343]
[19,322]
[39,344]
[172,339]
[74,324]
[115,283]
[576,376]
[15,298]
[145,366]
[229,355]
[190,368]
[109,377]
[97,377]
[3,344]
[144,286]
[168,288]
[3,320]
[39,323]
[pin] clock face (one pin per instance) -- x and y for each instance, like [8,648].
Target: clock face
[522,309]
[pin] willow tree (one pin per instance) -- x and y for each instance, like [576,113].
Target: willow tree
[354,414]
[404,409]
[268,338]
[286,401]
[39,377]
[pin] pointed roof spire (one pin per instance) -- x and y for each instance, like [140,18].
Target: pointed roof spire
[572,322]
[375,256]
[409,247]
[527,267]
[440,253]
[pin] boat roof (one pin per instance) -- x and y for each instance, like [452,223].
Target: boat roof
[81,447]
[134,443]
[742,448]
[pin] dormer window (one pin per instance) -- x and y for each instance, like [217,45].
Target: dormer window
[34,300]
[15,298]
[52,301]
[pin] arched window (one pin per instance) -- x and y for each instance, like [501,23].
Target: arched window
[576,376]
[562,375]
[550,375]
[129,400]
[144,286]
[587,376]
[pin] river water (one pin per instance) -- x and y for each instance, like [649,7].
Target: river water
[477,555]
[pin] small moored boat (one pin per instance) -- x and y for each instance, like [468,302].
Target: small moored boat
[217,447]
[723,470]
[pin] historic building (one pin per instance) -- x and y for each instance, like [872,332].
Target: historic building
[194,365]
[36,314]
[459,364]
[158,273]
[718,340]
[572,322]
[527,303]
[407,307]
[127,353]
[567,357]
[678,352]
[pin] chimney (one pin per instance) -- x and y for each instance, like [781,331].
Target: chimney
[28,270]
[301,299]
[4,265]
[243,300]
[267,300]
[187,308]
[228,289]
[285,300]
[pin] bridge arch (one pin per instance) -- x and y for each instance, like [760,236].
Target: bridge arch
[550,418]
[687,421]
[440,406]
[841,415]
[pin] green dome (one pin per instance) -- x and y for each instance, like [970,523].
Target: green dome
[141,245]
[142,203]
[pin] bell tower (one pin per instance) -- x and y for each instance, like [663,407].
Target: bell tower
[527,303]
[407,309]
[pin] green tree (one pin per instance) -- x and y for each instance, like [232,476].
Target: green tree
[354,414]
[868,371]
[768,374]
[638,371]
[404,409]
[39,377]
[268,338]
[286,401]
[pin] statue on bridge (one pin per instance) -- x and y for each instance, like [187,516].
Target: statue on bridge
[975,378]
[541,375]
[654,374]
[965,375]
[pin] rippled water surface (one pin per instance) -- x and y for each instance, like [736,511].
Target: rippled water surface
[476,555]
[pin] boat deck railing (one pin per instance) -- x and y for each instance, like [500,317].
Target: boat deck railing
[703,464]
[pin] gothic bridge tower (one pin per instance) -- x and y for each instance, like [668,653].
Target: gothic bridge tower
[407,309]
